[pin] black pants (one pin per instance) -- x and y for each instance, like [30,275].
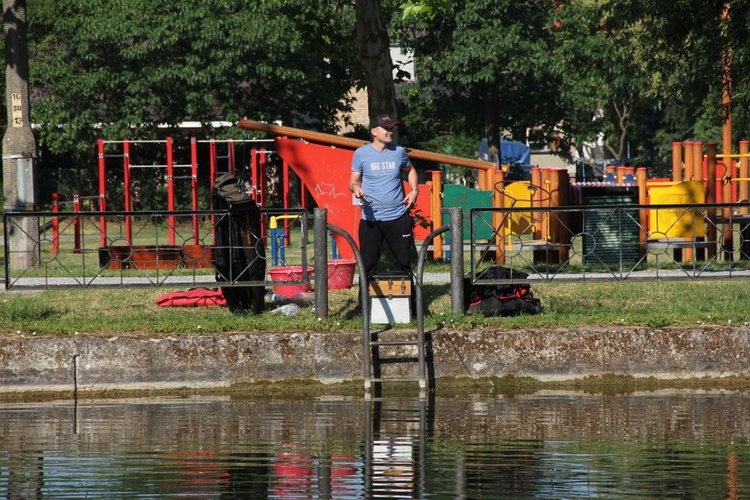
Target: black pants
[397,236]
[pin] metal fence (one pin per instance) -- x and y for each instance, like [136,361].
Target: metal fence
[586,243]
[144,249]
[614,242]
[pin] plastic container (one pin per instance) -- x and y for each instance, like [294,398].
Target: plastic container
[341,273]
[290,273]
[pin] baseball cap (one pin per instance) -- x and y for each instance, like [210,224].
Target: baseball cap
[384,121]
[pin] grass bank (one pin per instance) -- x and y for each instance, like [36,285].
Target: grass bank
[566,305]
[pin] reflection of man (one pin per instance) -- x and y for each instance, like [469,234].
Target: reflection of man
[376,182]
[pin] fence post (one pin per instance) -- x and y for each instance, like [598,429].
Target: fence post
[77,224]
[457,259]
[320,233]
[55,225]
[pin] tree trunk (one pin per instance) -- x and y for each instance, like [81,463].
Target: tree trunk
[491,128]
[375,57]
[19,146]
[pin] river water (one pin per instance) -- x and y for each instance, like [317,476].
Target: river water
[671,444]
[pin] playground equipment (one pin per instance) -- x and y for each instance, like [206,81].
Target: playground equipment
[676,216]
[324,179]
[324,167]
[148,256]
[278,238]
[325,170]
[129,166]
[322,162]
[195,250]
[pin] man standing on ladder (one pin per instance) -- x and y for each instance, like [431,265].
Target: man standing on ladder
[377,183]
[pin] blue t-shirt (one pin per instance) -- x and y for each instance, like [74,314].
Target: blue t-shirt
[381,181]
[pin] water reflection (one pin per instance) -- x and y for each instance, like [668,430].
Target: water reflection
[545,445]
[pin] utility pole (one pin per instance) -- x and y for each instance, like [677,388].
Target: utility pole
[19,145]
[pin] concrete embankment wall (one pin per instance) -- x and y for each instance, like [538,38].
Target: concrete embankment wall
[220,360]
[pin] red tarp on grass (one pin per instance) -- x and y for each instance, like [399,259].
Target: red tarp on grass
[197,297]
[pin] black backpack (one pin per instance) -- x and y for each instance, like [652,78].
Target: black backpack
[239,250]
[508,299]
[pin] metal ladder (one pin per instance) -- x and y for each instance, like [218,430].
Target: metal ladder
[372,345]
[376,342]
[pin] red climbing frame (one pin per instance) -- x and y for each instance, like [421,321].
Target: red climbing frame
[128,166]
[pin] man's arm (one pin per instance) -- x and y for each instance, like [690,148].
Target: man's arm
[355,184]
[413,180]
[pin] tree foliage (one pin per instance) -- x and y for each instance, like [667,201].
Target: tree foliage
[634,74]
[687,58]
[484,67]
[605,85]
[117,69]
[415,9]
[130,65]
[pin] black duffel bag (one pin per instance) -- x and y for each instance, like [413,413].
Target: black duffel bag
[507,299]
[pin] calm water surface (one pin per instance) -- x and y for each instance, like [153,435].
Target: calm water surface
[546,445]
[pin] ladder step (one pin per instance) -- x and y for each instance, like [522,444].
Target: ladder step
[394,342]
[396,379]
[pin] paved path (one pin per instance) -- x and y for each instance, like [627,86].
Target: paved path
[433,278]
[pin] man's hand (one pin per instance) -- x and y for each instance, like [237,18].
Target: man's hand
[411,199]
[355,185]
